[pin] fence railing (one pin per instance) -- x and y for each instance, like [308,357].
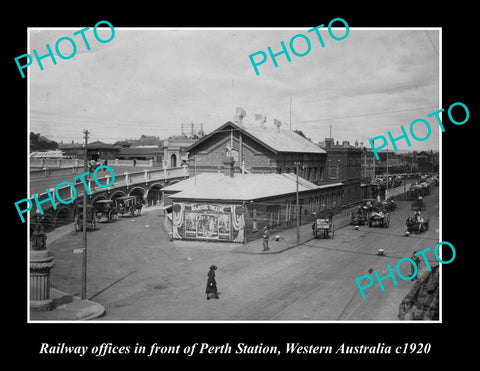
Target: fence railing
[47,172]
[66,192]
[58,163]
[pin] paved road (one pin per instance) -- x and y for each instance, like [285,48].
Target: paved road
[325,289]
[137,273]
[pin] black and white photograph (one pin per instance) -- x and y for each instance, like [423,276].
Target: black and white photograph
[204,154]
[245,188]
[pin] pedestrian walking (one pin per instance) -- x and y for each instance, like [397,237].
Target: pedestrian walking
[134,161]
[416,259]
[105,163]
[211,289]
[266,237]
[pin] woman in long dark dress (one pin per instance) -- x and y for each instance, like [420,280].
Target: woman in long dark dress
[211,289]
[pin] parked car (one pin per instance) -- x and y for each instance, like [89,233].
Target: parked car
[107,209]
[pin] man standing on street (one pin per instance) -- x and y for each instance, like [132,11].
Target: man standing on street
[266,236]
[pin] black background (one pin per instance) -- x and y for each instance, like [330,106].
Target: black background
[449,340]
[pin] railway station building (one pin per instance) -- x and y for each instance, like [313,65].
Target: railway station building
[232,206]
[343,164]
[257,149]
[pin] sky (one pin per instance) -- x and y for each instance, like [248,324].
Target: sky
[148,81]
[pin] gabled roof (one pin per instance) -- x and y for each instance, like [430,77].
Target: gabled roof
[98,144]
[275,139]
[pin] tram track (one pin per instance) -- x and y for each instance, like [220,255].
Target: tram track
[317,294]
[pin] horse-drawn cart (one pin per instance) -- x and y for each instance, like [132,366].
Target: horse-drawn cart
[418,204]
[358,216]
[129,205]
[379,218]
[324,227]
[417,224]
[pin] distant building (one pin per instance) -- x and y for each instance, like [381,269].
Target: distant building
[144,140]
[152,152]
[166,153]
[407,162]
[95,150]
[343,164]
[257,149]
[175,150]
[367,161]
[428,161]
[123,144]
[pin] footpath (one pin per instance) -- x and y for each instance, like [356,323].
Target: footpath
[72,308]
[67,307]
[287,239]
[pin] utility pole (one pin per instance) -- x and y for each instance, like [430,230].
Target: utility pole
[297,207]
[386,193]
[84,229]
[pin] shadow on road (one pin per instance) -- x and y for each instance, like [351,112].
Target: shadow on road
[113,283]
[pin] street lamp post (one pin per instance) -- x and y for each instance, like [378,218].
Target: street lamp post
[41,262]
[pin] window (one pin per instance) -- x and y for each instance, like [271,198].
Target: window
[173,160]
[235,155]
[333,170]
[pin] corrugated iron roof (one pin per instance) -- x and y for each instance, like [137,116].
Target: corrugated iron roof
[282,140]
[218,186]
[276,139]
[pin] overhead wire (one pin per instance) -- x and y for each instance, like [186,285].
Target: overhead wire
[61,119]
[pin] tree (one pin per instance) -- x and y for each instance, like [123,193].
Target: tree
[38,142]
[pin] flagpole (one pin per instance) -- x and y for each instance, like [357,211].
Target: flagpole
[233,100]
[290,113]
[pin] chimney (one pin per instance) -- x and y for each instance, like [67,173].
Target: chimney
[346,143]
[228,168]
